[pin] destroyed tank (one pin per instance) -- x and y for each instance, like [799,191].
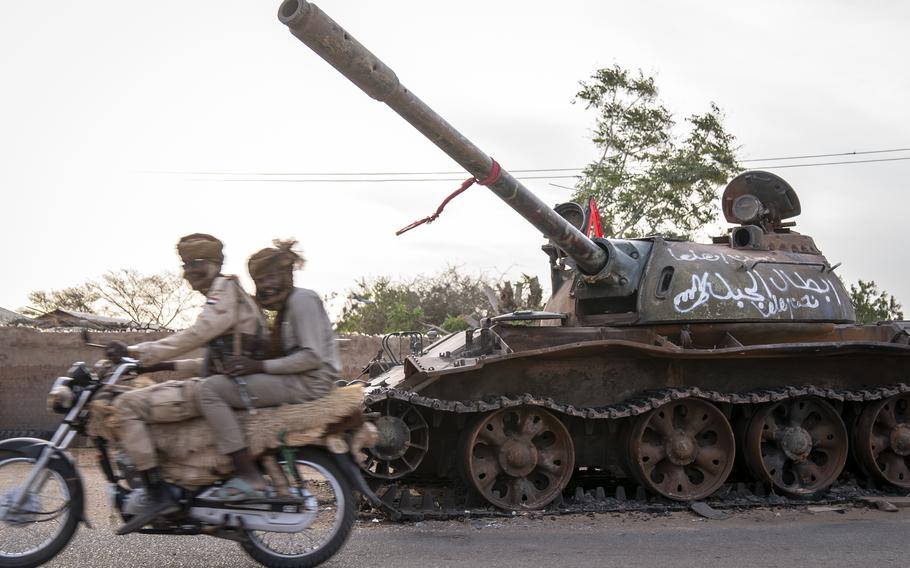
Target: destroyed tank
[659,361]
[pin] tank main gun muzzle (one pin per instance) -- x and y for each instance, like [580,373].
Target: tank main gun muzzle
[331,42]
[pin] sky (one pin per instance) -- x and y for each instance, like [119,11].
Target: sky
[125,125]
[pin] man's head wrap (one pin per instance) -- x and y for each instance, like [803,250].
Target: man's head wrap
[275,259]
[200,245]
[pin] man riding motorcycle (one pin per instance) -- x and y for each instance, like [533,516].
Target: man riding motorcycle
[229,315]
[303,367]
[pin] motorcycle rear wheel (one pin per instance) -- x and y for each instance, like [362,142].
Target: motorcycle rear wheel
[34,536]
[337,509]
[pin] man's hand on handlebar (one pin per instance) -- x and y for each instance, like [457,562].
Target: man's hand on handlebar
[236,366]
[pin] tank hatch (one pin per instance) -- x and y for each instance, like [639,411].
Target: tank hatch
[760,198]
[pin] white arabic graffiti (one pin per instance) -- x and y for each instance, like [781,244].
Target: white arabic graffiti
[781,293]
[725,257]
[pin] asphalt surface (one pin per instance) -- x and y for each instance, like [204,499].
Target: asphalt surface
[761,537]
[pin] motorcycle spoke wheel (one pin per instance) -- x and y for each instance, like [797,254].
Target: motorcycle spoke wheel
[519,458]
[333,506]
[683,450]
[881,440]
[797,446]
[43,524]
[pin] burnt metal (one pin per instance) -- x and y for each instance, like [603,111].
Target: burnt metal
[683,450]
[798,446]
[519,458]
[881,440]
[744,329]
[403,440]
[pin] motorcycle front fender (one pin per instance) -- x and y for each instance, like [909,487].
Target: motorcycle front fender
[32,448]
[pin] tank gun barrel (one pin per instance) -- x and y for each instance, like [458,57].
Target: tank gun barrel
[331,42]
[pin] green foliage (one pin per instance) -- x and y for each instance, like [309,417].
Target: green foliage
[455,323]
[449,301]
[872,305]
[379,305]
[649,179]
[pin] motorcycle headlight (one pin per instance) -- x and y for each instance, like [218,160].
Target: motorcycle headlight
[61,397]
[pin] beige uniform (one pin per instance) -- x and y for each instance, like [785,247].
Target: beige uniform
[306,372]
[228,309]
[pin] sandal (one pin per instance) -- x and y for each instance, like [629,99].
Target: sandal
[236,490]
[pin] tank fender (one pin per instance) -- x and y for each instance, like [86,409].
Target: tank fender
[32,447]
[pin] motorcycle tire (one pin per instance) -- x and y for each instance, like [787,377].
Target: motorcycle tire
[346,511]
[46,550]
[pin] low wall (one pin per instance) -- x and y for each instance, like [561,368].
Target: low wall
[30,361]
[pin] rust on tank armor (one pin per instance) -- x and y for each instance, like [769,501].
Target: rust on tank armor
[658,361]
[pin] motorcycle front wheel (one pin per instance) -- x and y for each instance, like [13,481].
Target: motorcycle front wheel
[43,525]
[335,510]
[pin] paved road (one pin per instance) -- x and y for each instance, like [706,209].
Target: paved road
[770,538]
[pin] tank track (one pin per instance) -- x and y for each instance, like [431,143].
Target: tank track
[411,502]
[635,406]
[405,501]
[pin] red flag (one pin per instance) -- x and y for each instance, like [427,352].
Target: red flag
[593,220]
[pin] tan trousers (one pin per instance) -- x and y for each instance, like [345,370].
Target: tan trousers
[220,395]
[215,398]
[171,401]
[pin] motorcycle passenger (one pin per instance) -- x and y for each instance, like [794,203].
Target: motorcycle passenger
[228,312]
[304,368]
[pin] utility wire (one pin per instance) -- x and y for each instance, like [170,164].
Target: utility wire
[371,180]
[537,170]
[404,180]
[828,155]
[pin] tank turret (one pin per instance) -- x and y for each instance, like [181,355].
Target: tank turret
[760,271]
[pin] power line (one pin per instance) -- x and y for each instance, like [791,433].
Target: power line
[534,170]
[370,180]
[828,155]
[424,180]
[837,163]
[360,173]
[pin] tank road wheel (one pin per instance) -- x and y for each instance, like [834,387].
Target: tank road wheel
[403,440]
[519,458]
[881,440]
[798,446]
[683,450]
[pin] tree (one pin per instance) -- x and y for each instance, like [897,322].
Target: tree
[872,305]
[526,294]
[161,300]
[450,301]
[79,298]
[649,179]
[380,305]
[155,300]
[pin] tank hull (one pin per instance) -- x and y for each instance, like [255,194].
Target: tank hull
[601,383]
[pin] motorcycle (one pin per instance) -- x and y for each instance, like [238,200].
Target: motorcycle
[305,519]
